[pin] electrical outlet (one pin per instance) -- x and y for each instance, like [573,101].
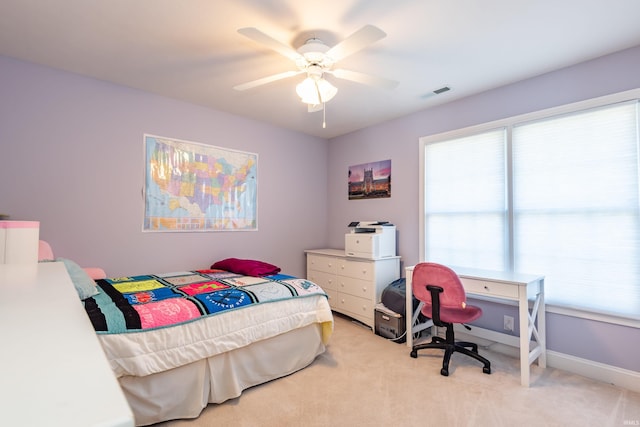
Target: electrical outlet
[508,323]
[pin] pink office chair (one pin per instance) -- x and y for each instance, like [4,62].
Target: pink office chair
[445,302]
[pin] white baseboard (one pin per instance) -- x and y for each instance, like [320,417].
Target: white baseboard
[620,377]
[595,370]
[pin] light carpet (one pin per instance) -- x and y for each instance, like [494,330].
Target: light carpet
[365,380]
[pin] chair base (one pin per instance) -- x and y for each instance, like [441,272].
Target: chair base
[450,346]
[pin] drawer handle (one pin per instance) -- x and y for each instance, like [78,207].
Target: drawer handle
[486,288]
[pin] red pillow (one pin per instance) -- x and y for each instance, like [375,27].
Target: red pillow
[248,267]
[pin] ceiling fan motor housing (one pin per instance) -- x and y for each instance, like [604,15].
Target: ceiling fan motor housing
[314,52]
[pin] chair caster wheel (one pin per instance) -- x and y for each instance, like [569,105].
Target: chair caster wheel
[413,354]
[444,372]
[486,370]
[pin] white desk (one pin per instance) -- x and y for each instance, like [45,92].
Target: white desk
[495,285]
[53,371]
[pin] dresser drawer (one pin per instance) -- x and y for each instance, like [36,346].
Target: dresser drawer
[327,281]
[357,269]
[355,287]
[322,263]
[488,288]
[362,307]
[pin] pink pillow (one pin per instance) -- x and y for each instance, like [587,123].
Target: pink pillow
[95,273]
[248,267]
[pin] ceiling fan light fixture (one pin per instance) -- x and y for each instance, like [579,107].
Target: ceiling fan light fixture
[307,92]
[326,90]
[315,91]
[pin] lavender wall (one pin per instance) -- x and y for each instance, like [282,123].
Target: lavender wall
[398,140]
[72,158]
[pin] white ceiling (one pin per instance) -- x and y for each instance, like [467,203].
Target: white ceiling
[191,50]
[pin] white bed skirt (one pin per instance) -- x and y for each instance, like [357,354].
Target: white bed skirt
[185,391]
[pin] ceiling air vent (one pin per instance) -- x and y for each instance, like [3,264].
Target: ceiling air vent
[436,92]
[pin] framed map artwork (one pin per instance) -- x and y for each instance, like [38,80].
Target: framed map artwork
[198,187]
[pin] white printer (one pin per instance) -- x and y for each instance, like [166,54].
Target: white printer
[370,239]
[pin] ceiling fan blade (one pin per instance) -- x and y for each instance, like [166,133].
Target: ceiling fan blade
[356,41]
[265,80]
[268,41]
[363,78]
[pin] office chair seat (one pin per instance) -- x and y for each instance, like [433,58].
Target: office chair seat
[445,303]
[454,314]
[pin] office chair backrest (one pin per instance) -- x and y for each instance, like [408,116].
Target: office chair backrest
[429,273]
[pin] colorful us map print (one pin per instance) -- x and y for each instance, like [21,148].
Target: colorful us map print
[198,187]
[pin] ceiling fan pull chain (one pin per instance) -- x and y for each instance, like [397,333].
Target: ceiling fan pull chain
[324,121]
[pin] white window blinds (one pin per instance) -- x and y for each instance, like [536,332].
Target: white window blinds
[464,201]
[550,193]
[576,207]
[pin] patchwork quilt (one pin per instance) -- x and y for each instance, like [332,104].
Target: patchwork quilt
[137,303]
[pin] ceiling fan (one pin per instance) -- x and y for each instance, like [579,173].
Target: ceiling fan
[315,59]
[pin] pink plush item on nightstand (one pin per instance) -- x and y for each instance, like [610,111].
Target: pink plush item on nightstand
[45,253]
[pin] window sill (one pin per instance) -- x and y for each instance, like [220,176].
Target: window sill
[592,315]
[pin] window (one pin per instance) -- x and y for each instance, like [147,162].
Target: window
[554,193]
[465,194]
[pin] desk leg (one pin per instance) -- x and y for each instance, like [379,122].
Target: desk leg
[523,311]
[408,308]
[542,328]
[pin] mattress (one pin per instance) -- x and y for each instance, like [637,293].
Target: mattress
[148,352]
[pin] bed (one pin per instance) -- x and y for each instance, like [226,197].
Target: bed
[179,341]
